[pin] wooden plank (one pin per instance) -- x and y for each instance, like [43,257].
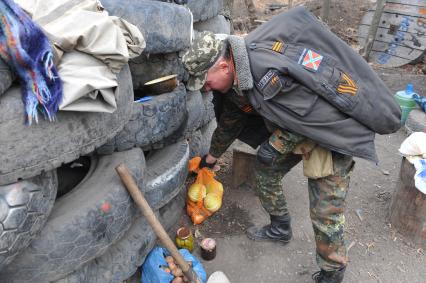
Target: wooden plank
[421,3]
[243,162]
[400,51]
[405,9]
[401,36]
[389,62]
[380,55]
[383,34]
[417,25]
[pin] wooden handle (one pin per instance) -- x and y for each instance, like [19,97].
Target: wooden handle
[146,210]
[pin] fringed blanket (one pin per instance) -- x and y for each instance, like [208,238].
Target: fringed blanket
[28,53]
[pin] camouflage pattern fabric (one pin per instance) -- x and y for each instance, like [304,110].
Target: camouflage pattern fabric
[234,118]
[284,141]
[231,123]
[327,201]
[268,183]
[200,57]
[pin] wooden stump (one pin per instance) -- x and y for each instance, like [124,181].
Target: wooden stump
[408,208]
[243,160]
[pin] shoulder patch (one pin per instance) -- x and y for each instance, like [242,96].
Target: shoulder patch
[310,59]
[278,46]
[347,85]
[265,79]
[270,84]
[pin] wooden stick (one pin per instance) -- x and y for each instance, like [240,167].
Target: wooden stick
[325,12]
[146,210]
[372,31]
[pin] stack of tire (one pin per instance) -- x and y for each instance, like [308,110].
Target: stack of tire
[65,216]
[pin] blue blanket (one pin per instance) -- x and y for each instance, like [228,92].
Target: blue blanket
[26,49]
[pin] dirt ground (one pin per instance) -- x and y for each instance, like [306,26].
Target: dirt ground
[377,252]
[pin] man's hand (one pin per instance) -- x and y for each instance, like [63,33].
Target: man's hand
[208,161]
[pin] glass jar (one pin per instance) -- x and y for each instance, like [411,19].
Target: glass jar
[185,239]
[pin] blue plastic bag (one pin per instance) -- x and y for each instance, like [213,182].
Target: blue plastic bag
[420,176]
[153,273]
[420,100]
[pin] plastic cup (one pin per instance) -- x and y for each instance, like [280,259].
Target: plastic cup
[405,111]
[406,102]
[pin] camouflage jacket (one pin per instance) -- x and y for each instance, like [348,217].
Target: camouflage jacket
[233,119]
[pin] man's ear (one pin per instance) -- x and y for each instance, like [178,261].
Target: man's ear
[224,65]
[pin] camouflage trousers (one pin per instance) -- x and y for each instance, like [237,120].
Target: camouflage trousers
[326,199]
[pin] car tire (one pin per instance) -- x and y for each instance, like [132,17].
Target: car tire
[123,259]
[218,24]
[24,208]
[28,150]
[204,9]
[165,181]
[166,27]
[167,171]
[83,223]
[146,68]
[199,142]
[200,112]
[151,122]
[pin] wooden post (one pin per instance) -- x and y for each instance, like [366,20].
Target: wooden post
[408,208]
[325,12]
[372,31]
[252,12]
[290,4]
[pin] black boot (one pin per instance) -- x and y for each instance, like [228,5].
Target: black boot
[323,276]
[278,231]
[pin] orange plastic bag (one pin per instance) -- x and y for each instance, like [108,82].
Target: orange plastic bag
[198,211]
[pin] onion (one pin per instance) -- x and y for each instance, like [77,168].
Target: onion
[169,259]
[212,202]
[197,219]
[196,191]
[177,272]
[172,266]
[214,187]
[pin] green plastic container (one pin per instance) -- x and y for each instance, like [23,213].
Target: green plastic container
[405,101]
